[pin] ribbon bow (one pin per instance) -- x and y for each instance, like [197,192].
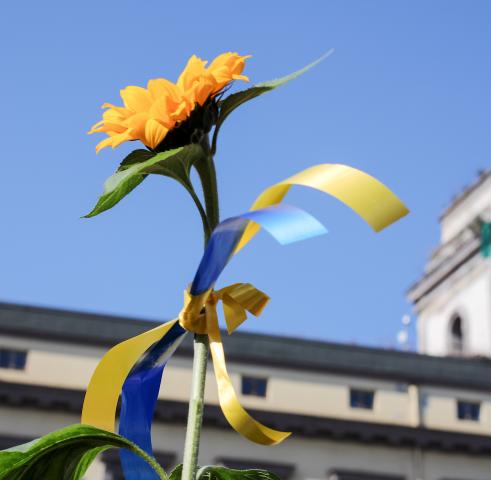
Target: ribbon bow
[236,298]
[199,315]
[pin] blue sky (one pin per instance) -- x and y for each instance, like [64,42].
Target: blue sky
[406,97]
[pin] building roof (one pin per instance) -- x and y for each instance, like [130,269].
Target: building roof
[483,175]
[285,352]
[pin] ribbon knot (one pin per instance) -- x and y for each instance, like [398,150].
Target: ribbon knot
[236,299]
[199,315]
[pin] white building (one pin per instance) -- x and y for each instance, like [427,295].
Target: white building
[356,413]
[453,298]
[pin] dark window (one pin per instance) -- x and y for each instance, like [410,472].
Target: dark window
[456,336]
[361,398]
[15,359]
[468,410]
[6,441]
[254,386]
[402,387]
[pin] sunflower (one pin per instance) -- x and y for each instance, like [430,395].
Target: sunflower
[165,114]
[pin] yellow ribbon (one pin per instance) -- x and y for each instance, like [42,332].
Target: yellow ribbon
[105,385]
[236,299]
[364,194]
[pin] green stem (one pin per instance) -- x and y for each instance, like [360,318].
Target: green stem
[202,213]
[151,461]
[207,174]
[196,405]
[205,167]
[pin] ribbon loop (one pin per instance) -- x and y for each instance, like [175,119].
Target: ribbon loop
[252,299]
[233,312]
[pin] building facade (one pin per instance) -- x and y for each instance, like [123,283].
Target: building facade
[453,297]
[356,413]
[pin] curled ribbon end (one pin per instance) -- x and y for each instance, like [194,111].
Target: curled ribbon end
[401,212]
[284,437]
[279,437]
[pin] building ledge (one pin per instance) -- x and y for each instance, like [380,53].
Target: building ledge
[434,278]
[65,400]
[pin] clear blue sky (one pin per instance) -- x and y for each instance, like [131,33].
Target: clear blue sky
[406,97]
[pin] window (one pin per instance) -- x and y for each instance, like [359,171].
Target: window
[15,359]
[402,387]
[468,410]
[113,464]
[254,386]
[456,346]
[361,475]
[361,398]
[7,441]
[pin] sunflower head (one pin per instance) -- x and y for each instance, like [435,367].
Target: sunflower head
[168,115]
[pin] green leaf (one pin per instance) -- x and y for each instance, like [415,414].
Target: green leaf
[176,473]
[233,101]
[212,472]
[137,165]
[136,156]
[224,473]
[64,455]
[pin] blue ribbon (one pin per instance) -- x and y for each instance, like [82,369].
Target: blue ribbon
[138,401]
[286,224]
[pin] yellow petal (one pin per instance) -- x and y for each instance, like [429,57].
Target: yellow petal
[226,68]
[244,78]
[95,127]
[113,141]
[160,111]
[204,89]
[136,124]
[220,60]
[136,99]
[181,112]
[105,143]
[123,137]
[232,61]
[154,133]
[110,128]
[120,110]
[160,87]
[192,71]
[113,116]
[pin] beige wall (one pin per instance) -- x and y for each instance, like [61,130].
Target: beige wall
[440,407]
